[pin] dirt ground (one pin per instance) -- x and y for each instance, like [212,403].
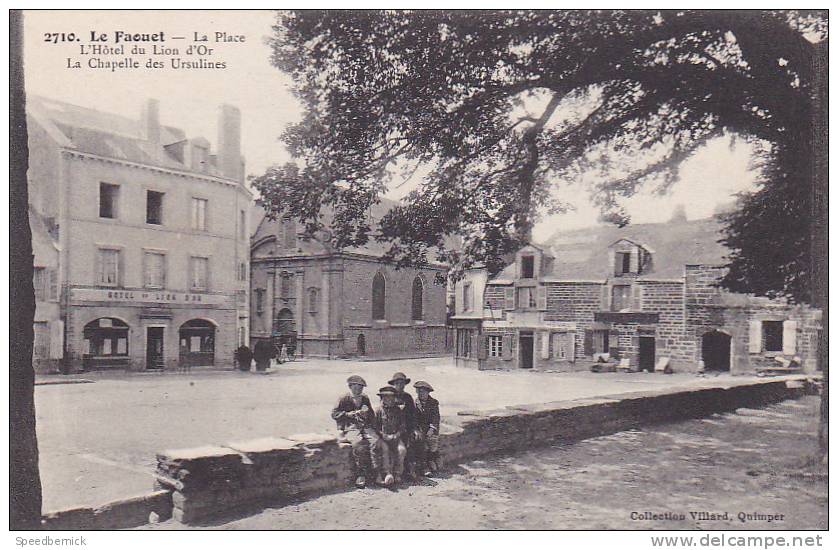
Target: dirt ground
[744,463]
[98,441]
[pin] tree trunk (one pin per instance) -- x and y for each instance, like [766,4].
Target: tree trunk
[24,477]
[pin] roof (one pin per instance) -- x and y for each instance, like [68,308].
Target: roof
[106,134]
[583,253]
[265,227]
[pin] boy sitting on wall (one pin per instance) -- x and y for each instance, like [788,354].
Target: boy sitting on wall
[356,424]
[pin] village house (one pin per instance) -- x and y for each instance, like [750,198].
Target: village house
[324,302]
[641,297]
[140,238]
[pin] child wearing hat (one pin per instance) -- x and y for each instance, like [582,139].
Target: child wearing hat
[356,425]
[405,402]
[391,429]
[427,429]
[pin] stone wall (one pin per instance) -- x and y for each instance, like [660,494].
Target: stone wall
[213,481]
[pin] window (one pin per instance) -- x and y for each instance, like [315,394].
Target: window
[495,346]
[620,297]
[199,270]
[772,335]
[290,228]
[467,297]
[242,336]
[199,214]
[312,300]
[417,309]
[260,293]
[242,225]
[378,297]
[39,280]
[527,267]
[464,342]
[623,262]
[285,286]
[242,271]
[526,298]
[154,207]
[108,200]
[108,273]
[155,270]
[601,341]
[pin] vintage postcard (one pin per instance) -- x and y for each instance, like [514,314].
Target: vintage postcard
[420,270]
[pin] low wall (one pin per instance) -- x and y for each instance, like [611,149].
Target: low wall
[212,481]
[121,514]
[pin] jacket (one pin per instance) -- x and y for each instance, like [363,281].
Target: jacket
[390,422]
[407,405]
[427,415]
[346,416]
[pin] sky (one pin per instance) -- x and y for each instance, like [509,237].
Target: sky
[189,99]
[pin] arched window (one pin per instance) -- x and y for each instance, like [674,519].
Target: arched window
[418,297]
[378,296]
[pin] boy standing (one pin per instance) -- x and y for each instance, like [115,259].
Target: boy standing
[391,431]
[427,429]
[405,402]
[356,424]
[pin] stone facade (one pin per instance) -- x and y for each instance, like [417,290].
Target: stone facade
[144,236]
[631,310]
[320,301]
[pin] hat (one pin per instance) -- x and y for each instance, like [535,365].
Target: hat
[399,376]
[387,390]
[420,384]
[355,379]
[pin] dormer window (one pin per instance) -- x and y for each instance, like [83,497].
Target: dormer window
[624,262]
[527,267]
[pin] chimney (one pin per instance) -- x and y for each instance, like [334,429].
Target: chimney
[150,120]
[229,142]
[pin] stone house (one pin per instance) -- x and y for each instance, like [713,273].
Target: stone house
[331,303]
[643,295]
[140,238]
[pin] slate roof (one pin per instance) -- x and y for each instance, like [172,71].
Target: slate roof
[106,134]
[583,253]
[265,227]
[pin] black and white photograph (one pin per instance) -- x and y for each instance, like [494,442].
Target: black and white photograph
[440,269]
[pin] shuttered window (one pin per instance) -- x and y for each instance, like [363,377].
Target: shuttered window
[199,214]
[620,297]
[155,270]
[108,272]
[772,335]
[495,346]
[199,273]
[39,280]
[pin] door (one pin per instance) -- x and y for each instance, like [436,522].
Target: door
[715,351]
[525,344]
[154,348]
[647,353]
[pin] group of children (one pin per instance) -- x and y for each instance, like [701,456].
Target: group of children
[401,437]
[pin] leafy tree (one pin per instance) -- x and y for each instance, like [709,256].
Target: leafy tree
[499,108]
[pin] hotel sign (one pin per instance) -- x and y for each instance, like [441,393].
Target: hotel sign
[145,296]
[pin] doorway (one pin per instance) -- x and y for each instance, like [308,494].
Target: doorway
[361,345]
[525,344]
[715,351]
[646,355]
[154,348]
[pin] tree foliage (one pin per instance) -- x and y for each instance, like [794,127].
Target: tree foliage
[497,109]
